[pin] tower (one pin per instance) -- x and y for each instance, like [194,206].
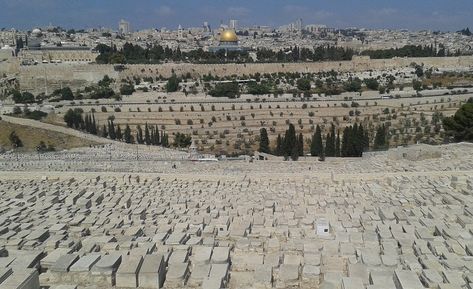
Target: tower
[123,27]
[233,24]
[180,32]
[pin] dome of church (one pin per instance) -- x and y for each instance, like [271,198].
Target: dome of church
[228,36]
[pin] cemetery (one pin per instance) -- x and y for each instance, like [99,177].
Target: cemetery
[101,217]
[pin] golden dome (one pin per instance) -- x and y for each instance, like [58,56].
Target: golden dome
[228,36]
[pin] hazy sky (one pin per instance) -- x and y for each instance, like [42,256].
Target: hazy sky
[446,15]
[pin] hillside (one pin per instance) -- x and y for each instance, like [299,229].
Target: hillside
[31,137]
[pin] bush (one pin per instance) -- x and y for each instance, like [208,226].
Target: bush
[24,97]
[371,83]
[36,114]
[303,84]
[15,140]
[182,140]
[65,93]
[230,90]
[127,89]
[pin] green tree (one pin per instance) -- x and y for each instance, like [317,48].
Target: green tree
[279,145]
[380,140]
[303,84]
[73,118]
[147,135]
[460,125]
[330,143]
[173,83]
[228,89]
[104,132]
[316,145]
[139,135]
[264,141]
[111,129]
[290,142]
[337,145]
[353,85]
[300,144]
[127,89]
[182,140]
[66,93]
[417,85]
[119,135]
[25,97]
[127,134]
[371,83]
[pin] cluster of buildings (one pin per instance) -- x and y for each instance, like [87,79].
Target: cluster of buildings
[52,44]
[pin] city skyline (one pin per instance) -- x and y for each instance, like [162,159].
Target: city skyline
[414,15]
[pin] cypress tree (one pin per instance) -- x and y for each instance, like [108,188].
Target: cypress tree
[312,146]
[295,153]
[264,141]
[279,143]
[86,123]
[156,135]
[327,145]
[354,141]
[345,144]
[301,144]
[360,140]
[152,137]
[316,145]
[111,130]
[322,154]
[366,141]
[118,133]
[139,135]
[94,125]
[289,141]
[165,140]
[337,145]
[104,131]
[81,124]
[127,134]
[147,135]
[380,138]
[332,141]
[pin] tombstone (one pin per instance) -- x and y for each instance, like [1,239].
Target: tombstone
[58,271]
[152,272]
[198,275]
[103,273]
[177,275]
[127,274]
[220,255]
[26,278]
[322,227]
[263,276]
[407,280]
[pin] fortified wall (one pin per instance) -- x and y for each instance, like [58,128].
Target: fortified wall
[42,78]
[355,65]
[46,78]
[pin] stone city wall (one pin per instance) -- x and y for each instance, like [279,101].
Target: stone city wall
[36,78]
